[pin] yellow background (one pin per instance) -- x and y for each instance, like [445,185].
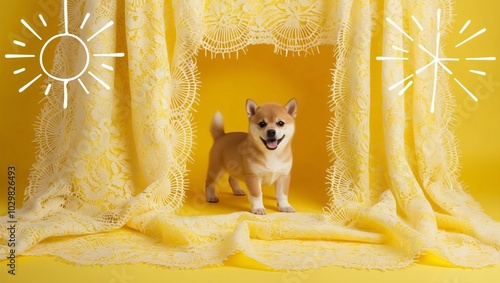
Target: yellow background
[264,76]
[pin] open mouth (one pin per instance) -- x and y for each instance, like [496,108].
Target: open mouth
[272,144]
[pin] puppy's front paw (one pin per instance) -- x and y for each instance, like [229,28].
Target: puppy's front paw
[212,199]
[287,209]
[259,211]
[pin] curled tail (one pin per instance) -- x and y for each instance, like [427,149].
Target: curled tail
[217,128]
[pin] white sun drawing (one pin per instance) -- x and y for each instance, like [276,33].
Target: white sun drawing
[436,61]
[67,34]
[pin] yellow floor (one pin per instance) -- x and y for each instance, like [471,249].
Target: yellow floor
[51,270]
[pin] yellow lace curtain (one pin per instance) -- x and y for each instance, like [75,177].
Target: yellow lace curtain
[111,168]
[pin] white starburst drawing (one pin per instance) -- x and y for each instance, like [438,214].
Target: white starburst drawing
[436,61]
[67,34]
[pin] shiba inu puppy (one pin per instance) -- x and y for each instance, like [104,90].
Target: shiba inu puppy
[263,156]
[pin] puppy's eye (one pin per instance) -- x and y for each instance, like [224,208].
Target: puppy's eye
[281,123]
[262,124]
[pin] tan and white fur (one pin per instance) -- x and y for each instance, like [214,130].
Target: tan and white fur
[263,156]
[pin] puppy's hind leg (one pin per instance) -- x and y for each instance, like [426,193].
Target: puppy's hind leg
[235,185]
[213,176]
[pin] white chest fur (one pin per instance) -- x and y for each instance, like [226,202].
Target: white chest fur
[272,169]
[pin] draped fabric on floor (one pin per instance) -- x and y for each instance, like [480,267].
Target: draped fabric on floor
[111,168]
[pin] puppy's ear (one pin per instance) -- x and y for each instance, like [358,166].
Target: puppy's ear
[291,107]
[251,107]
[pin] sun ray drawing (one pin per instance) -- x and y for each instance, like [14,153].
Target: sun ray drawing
[436,60]
[67,34]
[18,71]
[87,16]
[19,43]
[107,67]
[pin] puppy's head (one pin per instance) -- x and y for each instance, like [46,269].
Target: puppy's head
[272,125]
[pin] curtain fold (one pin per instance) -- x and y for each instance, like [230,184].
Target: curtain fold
[111,168]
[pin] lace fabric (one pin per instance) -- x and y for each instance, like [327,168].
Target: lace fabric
[111,168]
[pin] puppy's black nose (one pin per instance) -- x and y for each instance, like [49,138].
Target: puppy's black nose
[271,133]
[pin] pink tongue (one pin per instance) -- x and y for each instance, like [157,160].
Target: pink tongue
[272,144]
